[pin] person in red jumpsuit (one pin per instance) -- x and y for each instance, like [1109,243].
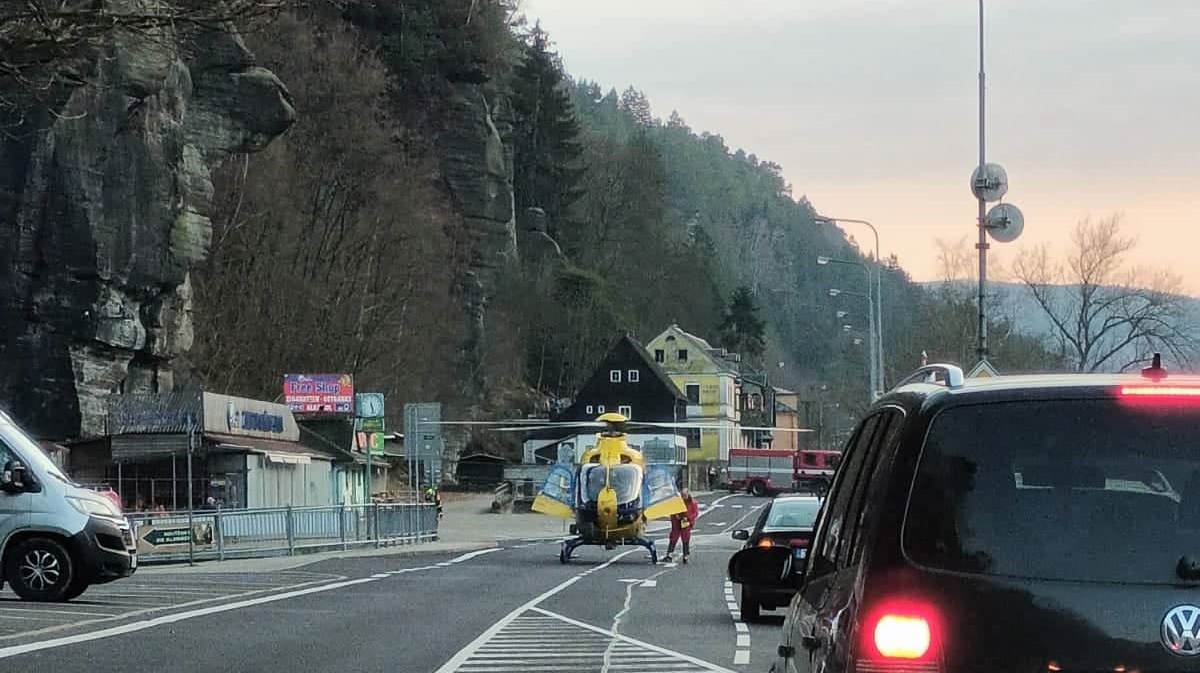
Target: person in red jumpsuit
[681,526]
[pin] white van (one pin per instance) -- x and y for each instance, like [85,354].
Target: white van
[56,537]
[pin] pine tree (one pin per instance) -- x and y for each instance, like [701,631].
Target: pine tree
[545,136]
[742,331]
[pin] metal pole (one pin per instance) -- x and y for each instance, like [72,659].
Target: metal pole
[982,246]
[191,531]
[873,342]
[367,437]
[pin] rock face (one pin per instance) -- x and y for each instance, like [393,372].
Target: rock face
[478,171]
[106,211]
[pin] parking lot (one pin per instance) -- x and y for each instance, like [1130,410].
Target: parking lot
[140,595]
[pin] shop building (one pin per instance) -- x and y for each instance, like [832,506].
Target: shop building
[243,454]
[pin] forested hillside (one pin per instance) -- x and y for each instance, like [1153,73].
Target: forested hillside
[376,237]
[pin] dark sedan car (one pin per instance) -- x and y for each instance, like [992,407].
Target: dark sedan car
[787,521]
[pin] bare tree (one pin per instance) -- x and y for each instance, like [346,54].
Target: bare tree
[1106,316]
[951,317]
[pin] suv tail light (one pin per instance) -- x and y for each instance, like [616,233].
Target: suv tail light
[900,636]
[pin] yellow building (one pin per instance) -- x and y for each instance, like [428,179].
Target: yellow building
[787,415]
[708,378]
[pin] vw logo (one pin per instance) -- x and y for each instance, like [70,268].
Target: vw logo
[1181,630]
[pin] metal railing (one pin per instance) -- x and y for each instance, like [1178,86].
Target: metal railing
[248,533]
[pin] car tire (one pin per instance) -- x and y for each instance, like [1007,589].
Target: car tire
[757,489]
[750,608]
[40,569]
[75,590]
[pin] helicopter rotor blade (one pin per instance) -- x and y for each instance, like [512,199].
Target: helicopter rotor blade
[713,426]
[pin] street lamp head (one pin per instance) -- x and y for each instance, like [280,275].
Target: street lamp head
[822,260]
[833,292]
[846,328]
[821,219]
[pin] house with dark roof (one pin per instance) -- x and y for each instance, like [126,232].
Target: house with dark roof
[626,381]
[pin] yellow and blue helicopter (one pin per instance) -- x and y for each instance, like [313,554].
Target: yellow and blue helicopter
[611,492]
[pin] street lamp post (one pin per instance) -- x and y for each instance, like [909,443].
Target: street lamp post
[872,320]
[878,288]
[871,342]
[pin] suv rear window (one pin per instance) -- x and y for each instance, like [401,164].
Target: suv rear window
[1091,490]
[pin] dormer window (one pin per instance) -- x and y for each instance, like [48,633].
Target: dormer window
[660,355]
[633,376]
[682,355]
[614,376]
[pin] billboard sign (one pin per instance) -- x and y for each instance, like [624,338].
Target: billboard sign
[319,393]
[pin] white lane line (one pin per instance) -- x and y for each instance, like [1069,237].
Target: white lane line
[322,586]
[15,650]
[147,610]
[475,554]
[632,641]
[465,653]
[741,652]
[616,624]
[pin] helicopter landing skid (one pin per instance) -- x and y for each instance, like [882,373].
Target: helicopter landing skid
[569,547]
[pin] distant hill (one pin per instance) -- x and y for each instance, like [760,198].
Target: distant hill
[1015,301]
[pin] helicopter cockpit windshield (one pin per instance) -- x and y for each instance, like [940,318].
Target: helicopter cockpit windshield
[626,480]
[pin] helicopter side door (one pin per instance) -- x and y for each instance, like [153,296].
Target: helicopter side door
[660,498]
[557,497]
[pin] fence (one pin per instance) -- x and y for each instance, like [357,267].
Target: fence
[247,533]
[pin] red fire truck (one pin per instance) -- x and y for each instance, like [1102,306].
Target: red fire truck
[770,471]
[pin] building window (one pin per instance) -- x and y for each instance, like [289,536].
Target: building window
[600,409]
[589,410]
[693,438]
[625,410]
[633,376]
[693,393]
[614,376]
[682,355]
[659,355]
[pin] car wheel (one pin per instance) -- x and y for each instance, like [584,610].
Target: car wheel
[75,590]
[757,489]
[750,607]
[40,569]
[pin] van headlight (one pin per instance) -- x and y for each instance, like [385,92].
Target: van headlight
[94,507]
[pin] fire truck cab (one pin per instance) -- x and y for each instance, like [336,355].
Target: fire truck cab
[763,472]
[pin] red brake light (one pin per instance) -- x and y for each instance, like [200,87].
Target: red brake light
[1159,391]
[902,636]
[901,633]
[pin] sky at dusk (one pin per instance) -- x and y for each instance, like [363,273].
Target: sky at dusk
[871,106]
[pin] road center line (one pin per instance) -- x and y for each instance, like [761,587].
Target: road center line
[632,641]
[465,653]
[616,625]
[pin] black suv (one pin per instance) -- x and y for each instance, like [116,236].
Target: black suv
[1017,523]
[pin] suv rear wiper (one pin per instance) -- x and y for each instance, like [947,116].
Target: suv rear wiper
[1188,568]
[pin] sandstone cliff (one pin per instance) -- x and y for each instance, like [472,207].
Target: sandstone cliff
[105,211]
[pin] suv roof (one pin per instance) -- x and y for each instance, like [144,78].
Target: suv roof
[1035,522]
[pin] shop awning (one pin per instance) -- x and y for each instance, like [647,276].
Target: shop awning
[274,450]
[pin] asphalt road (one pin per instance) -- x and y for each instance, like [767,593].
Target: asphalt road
[512,608]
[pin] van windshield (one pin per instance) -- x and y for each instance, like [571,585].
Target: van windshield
[28,449]
[1091,490]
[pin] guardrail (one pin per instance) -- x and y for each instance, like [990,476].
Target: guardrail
[502,497]
[248,533]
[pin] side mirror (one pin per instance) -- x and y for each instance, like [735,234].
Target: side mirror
[761,565]
[14,478]
[741,534]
